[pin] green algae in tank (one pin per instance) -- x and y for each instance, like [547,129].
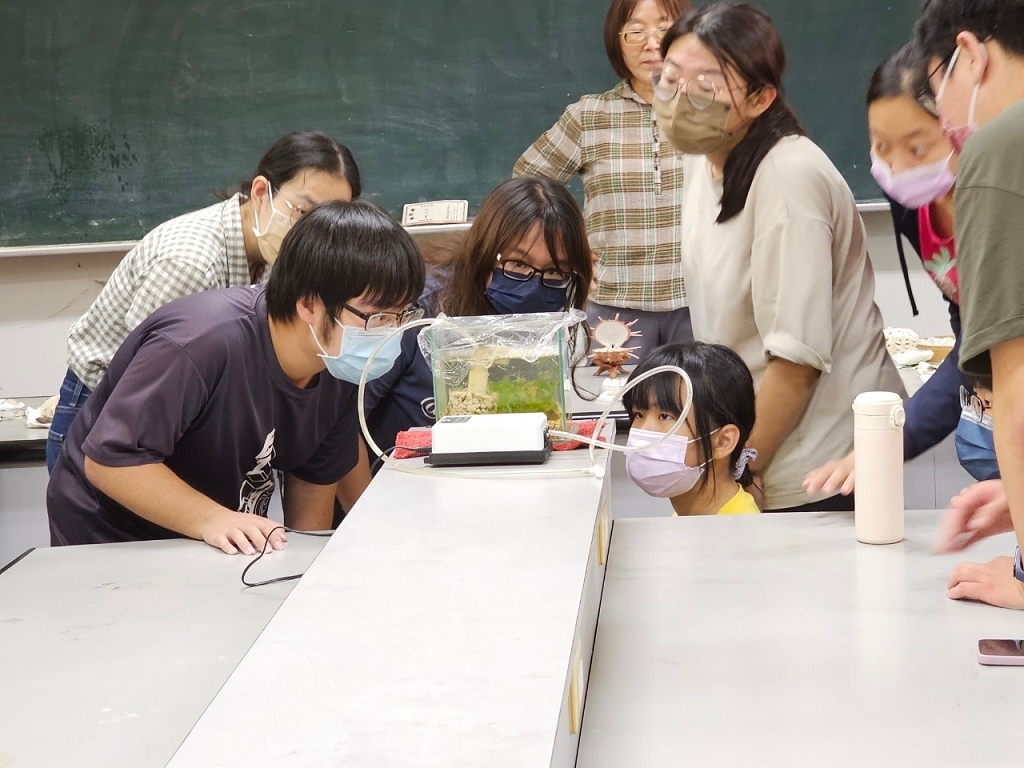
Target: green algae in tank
[500,364]
[508,385]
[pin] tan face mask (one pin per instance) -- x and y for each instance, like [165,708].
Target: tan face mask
[693,131]
[269,240]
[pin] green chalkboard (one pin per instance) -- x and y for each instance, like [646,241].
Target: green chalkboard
[119,114]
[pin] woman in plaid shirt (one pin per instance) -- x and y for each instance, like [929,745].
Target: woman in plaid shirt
[226,245]
[632,181]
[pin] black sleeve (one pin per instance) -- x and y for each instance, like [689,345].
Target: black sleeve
[156,400]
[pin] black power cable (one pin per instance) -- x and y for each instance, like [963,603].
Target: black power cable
[266,543]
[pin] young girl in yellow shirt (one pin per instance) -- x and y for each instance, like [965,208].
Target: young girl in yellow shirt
[702,468]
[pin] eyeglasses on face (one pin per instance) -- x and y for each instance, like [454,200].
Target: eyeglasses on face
[515,269]
[641,36]
[701,90]
[972,404]
[295,212]
[376,320]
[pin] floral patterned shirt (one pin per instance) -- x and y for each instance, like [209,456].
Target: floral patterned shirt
[938,255]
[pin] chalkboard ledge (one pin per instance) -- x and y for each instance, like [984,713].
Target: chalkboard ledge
[122,247]
[426,230]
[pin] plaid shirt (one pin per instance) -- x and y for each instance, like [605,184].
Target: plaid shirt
[195,252]
[632,184]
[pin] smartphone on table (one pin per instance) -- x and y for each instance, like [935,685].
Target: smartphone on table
[1001,653]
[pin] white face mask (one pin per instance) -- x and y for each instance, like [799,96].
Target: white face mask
[661,470]
[269,240]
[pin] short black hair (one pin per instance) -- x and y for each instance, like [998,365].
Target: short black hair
[339,251]
[723,393]
[940,21]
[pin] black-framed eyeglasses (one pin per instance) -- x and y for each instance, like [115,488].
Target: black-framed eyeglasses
[521,271]
[926,97]
[973,405]
[376,320]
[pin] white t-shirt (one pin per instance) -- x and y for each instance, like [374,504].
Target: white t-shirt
[789,277]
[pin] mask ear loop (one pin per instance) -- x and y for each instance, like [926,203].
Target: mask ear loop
[947,75]
[324,352]
[256,213]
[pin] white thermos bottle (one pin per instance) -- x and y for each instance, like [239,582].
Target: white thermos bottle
[878,419]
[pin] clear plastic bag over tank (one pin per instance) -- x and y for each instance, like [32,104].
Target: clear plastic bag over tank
[500,363]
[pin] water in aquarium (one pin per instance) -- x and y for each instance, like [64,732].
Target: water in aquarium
[496,384]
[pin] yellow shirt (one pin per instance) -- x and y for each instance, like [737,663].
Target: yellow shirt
[742,503]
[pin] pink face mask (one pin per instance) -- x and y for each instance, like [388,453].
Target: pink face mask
[917,187]
[661,470]
[958,136]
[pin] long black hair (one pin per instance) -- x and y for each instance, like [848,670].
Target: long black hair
[723,393]
[743,38]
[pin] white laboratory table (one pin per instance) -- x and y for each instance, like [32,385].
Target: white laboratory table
[780,641]
[110,653]
[448,623]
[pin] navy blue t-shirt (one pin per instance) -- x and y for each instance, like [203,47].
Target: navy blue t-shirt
[198,387]
[404,396]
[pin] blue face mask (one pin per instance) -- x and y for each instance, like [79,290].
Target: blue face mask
[357,344]
[510,297]
[975,447]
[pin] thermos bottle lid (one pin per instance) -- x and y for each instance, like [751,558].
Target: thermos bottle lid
[886,404]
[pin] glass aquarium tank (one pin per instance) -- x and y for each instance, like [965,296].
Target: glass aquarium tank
[500,364]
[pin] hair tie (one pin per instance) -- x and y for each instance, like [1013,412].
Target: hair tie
[747,455]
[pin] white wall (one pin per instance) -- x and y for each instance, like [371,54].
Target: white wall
[41,296]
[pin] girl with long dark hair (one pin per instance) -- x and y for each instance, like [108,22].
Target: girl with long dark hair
[774,251]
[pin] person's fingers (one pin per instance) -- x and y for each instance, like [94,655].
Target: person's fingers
[816,478]
[848,485]
[993,517]
[240,540]
[953,525]
[837,479]
[278,538]
[966,572]
[272,531]
[256,536]
[223,543]
[971,590]
[812,482]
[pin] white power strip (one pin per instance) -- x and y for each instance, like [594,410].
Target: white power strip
[501,438]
